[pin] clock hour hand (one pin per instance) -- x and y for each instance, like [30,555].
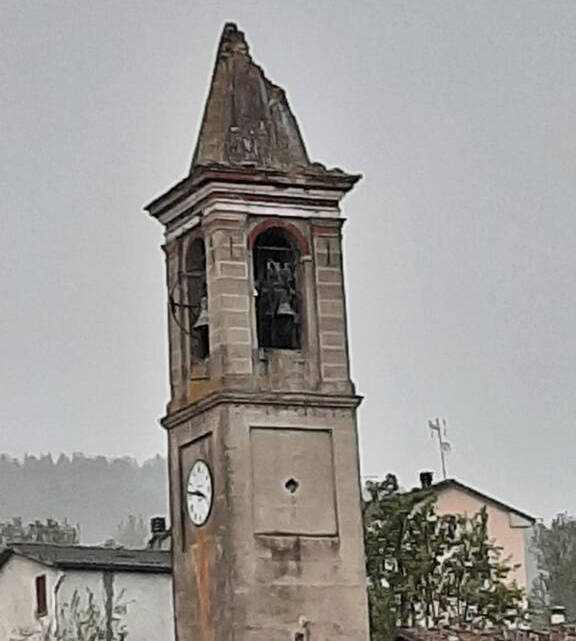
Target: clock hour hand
[197,493]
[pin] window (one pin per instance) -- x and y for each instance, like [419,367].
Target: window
[41,601]
[195,276]
[276,276]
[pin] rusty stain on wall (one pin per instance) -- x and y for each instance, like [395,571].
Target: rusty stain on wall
[203,555]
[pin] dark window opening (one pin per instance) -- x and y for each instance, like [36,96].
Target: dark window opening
[195,275]
[41,600]
[276,275]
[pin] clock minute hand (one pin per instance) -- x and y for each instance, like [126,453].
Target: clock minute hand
[197,493]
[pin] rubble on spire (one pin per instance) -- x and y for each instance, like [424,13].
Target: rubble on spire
[247,119]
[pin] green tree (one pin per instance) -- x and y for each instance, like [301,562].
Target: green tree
[555,548]
[430,569]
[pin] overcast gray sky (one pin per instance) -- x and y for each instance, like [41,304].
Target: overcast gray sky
[460,240]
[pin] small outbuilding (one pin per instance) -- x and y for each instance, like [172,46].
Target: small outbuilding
[54,592]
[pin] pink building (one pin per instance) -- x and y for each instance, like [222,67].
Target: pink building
[508,527]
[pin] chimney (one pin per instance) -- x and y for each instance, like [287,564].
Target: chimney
[157,525]
[557,615]
[426,479]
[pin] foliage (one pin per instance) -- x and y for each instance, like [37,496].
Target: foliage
[51,531]
[430,569]
[86,620]
[555,548]
[132,532]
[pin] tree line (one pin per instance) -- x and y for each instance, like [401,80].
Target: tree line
[96,493]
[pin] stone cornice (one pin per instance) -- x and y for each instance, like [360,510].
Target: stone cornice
[313,189]
[284,399]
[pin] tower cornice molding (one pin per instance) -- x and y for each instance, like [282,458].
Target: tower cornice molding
[284,399]
[184,211]
[305,190]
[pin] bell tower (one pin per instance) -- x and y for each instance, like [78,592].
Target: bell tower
[263,450]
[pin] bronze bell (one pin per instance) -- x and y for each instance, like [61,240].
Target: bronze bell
[202,320]
[285,309]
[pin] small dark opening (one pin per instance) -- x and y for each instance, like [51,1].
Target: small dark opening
[291,485]
[157,525]
[41,600]
[426,479]
[276,274]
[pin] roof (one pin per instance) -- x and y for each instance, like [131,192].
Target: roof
[80,557]
[566,632]
[454,484]
[247,120]
[249,135]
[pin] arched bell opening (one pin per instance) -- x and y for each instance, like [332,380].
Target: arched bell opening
[277,284]
[198,321]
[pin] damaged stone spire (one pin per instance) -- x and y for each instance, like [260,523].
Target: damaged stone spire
[247,119]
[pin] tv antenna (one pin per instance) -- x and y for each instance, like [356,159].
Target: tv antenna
[438,426]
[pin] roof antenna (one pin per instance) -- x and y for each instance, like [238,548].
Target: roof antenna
[438,425]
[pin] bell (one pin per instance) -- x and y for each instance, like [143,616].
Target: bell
[285,309]
[202,320]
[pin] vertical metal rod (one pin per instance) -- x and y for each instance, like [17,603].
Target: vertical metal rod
[436,425]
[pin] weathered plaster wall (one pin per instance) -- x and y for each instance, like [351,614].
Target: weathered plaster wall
[139,603]
[150,614]
[504,527]
[270,581]
[18,599]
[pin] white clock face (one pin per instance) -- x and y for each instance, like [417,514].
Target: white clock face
[199,493]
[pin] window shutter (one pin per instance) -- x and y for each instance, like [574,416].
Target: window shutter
[41,601]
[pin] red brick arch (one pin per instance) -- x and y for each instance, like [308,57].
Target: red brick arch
[298,236]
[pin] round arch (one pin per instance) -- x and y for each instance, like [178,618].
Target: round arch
[291,229]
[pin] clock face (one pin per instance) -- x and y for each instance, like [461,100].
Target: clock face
[199,492]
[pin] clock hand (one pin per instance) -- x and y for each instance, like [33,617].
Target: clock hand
[197,493]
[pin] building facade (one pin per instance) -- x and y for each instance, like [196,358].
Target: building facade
[508,527]
[55,592]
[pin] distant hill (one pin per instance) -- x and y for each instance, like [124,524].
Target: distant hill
[96,492]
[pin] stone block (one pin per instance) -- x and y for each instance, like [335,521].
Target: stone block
[334,372]
[331,308]
[239,366]
[227,286]
[232,320]
[232,269]
[328,275]
[237,351]
[329,292]
[334,357]
[326,244]
[332,339]
[232,303]
[236,335]
[332,324]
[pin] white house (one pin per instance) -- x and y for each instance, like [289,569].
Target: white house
[54,593]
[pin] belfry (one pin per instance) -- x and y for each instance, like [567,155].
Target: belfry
[263,449]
